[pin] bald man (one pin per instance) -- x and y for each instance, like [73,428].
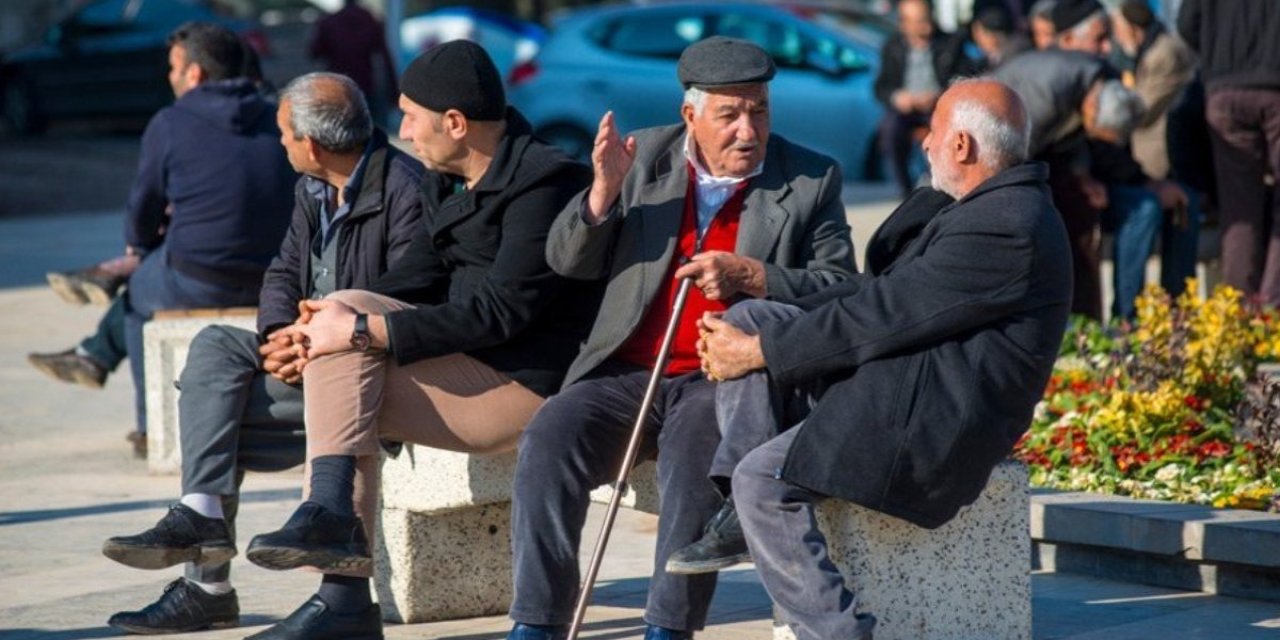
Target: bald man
[929,364]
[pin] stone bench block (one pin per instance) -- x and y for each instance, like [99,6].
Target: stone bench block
[165,343]
[967,580]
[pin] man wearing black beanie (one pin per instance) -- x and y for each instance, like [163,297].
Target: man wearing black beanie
[455,347]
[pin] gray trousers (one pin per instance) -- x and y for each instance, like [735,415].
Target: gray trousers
[575,443]
[234,417]
[778,518]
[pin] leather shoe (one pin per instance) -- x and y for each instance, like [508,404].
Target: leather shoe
[182,535]
[652,632]
[522,631]
[181,608]
[722,545]
[866,624]
[314,620]
[138,440]
[69,366]
[313,537]
[93,284]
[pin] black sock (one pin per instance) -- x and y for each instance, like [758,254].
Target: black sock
[333,485]
[345,594]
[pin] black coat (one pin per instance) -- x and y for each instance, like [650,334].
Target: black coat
[477,269]
[933,365]
[949,62]
[373,236]
[1238,41]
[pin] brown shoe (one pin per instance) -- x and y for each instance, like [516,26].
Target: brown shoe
[69,366]
[93,284]
[139,441]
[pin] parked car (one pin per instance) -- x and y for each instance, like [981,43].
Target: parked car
[109,58]
[507,40]
[623,58]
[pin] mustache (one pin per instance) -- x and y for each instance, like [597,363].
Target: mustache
[744,146]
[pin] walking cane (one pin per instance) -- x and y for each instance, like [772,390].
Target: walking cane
[633,449]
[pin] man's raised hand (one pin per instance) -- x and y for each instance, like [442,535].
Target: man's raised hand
[611,158]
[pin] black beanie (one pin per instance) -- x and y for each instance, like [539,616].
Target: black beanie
[1069,13]
[1137,13]
[456,75]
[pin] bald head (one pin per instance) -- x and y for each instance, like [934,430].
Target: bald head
[979,128]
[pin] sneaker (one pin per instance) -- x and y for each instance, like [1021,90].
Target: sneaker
[183,607]
[93,284]
[314,537]
[69,366]
[182,535]
[314,620]
[722,545]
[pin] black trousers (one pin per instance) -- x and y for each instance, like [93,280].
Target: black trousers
[575,443]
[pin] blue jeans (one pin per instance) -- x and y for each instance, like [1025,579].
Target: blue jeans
[107,344]
[156,286]
[1133,216]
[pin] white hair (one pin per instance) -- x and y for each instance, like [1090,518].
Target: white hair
[1001,144]
[1119,109]
[696,98]
[330,109]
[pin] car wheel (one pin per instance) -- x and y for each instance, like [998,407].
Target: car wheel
[20,108]
[573,140]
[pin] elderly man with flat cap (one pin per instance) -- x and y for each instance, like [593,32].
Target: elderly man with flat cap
[716,199]
[455,347]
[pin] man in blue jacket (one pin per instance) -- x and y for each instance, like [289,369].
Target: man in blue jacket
[929,367]
[210,203]
[355,210]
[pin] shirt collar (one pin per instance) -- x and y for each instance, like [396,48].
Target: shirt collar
[704,177]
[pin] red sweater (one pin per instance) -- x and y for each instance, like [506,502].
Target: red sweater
[722,235]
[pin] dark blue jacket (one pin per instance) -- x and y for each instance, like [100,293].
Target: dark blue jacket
[384,217]
[215,157]
[933,362]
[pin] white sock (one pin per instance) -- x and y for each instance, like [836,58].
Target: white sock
[213,588]
[209,506]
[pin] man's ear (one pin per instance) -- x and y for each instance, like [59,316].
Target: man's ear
[313,149]
[963,147]
[194,75]
[455,124]
[687,114]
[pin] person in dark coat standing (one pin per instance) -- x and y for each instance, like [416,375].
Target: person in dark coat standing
[717,199]
[930,367]
[456,347]
[1239,46]
[915,66]
[355,210]
[353,42]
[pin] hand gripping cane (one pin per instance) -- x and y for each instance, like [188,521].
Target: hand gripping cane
[633,449]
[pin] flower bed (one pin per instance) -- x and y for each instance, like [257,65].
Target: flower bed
[1169,408]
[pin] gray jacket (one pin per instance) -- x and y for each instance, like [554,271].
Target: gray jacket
[793,220]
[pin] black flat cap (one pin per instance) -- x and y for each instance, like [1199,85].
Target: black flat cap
[1069,13]
[456,75]
[719,62]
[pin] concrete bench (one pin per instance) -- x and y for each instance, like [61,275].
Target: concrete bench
[445,550]
[166,339]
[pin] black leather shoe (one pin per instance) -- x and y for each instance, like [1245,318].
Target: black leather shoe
[315,621]
[313,537]
[69,366]
[182,535]
[866,625]
[181,608]
[722,545]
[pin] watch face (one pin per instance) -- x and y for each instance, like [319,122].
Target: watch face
[360,342]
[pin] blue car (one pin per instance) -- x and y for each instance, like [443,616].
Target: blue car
[623,58]
[108,58]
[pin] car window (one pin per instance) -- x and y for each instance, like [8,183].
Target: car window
[167,14]
[782,41]
[657,36]
[101,14]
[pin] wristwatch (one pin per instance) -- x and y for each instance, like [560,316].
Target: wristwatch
[360,338]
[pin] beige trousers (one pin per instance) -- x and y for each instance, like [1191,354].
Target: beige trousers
[455,402]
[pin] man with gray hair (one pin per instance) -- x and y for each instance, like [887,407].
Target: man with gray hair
[921,373]
[241,408]
[1082,116]
[716,199]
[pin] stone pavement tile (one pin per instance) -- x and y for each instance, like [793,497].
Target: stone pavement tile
[1224,620]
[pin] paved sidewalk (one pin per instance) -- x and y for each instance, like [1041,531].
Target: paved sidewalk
[67,482]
